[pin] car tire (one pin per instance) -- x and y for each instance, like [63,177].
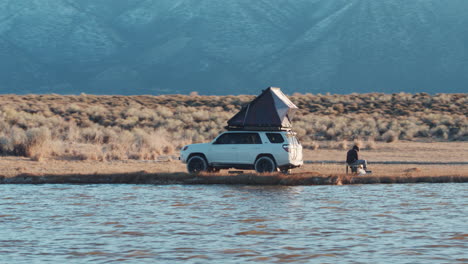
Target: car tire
[265,164]
[197,164]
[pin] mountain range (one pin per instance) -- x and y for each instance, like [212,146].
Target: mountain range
[220,47]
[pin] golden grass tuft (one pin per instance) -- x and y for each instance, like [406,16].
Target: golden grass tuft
[344,145]
[370,144]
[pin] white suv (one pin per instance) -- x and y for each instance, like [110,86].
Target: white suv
[263,151]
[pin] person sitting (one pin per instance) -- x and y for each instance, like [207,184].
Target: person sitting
[352,158]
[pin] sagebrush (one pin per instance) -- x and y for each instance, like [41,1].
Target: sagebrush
[145,127]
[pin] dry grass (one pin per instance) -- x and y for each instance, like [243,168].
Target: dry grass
[400,151]
[405,151]
[14,166]
[143,177]
[103,128]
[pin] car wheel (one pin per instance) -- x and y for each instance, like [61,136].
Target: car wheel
[197,164]
[265,164]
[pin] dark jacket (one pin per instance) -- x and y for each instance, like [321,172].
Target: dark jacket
[352,155]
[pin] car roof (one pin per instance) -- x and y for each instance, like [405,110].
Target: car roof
[255,131]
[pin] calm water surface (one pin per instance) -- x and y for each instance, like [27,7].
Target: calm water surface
[419,223]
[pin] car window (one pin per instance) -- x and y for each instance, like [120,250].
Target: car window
[275,137]
[239,138]
[250,138]
[225,139]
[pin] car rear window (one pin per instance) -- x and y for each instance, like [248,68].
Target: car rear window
[275,137]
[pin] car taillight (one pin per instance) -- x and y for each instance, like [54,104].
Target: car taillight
[184,148]
[286,147]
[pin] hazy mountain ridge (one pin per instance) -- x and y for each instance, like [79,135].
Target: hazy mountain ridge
[232,47]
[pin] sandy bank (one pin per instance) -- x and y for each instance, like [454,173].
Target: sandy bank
[244,179]
[427,162]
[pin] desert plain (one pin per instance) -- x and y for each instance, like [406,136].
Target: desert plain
[401,135]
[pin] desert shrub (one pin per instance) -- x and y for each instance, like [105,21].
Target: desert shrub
[198,138]
[201,116]
[97,113]
[168,149]
[73,108]
[125,140]
[141,139]
[109,135]
[114,155]
[440,131]
[3,125]
[301,132]
[313,145]
[92,135]
[370,144]
[331,133]
[144,127]
[5,146]
[129,122]
[344,145]
[164,112]
[390,136]
[17,142]
[37,142]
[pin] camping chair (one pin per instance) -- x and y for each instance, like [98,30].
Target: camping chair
[353,167]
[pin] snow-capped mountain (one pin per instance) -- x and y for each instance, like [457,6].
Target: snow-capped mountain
[233,47]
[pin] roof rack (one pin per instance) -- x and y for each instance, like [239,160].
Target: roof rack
[257,128]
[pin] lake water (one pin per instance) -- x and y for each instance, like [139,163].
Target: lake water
[408,223]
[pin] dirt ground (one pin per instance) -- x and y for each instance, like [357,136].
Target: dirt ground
[437,152]
[399,151]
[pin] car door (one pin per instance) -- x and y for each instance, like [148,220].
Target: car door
[224,149]
[249,146]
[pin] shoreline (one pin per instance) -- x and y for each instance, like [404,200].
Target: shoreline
[296,179]
[400,162]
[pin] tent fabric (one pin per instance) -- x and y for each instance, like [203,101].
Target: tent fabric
[271,109]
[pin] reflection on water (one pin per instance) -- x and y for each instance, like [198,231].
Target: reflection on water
[419,223]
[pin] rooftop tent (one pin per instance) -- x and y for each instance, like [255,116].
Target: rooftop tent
[270,110]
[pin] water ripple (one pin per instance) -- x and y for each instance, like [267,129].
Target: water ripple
[418,223]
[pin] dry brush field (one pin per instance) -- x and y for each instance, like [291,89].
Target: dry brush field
[91,127]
